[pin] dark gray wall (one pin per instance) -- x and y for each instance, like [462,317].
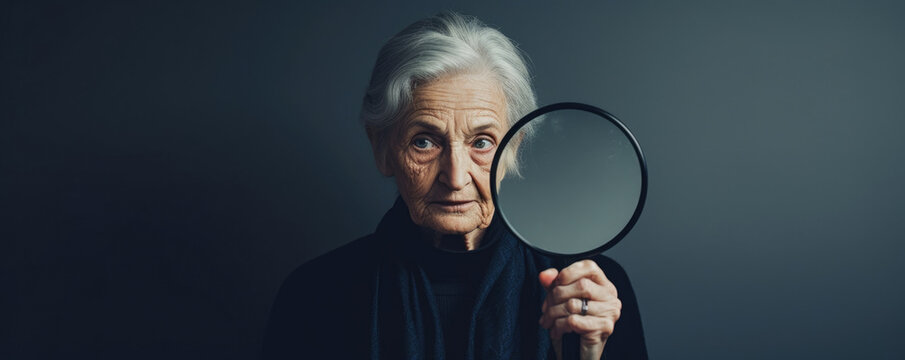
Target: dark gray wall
[163,167]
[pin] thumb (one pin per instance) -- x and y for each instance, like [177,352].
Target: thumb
[546,277]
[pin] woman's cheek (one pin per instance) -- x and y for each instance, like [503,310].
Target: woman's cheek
[421,156]
[483,187]
[418,171]
[487,216]
[483,159]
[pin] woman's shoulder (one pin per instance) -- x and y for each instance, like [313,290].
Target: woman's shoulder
[353,259]
[322,299]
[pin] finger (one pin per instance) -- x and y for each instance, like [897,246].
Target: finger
[611,308]
[569,307]
[583,288]
[582,269]
[549,316]
[560,310]
[546,277]
[560,327]
[591,328]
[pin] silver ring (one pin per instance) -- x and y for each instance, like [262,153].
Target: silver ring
[584,306]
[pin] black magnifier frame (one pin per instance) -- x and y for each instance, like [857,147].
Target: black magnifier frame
[570,106]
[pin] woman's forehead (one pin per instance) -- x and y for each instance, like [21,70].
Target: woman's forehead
[464,101]
[475,92]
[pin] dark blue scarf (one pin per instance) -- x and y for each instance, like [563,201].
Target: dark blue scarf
[503,324]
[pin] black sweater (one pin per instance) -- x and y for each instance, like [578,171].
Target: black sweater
[454,279]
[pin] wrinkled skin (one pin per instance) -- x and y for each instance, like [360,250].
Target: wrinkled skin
[441,153]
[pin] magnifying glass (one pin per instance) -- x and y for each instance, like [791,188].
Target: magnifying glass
[569,180]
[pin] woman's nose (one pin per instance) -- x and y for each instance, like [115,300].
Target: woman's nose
[454,171]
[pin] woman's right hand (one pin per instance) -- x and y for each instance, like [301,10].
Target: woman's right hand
[562,306]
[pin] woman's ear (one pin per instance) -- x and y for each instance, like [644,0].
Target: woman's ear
[379,151]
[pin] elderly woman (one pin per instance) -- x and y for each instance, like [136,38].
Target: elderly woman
[441,277]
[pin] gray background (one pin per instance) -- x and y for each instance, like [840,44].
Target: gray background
[163,167]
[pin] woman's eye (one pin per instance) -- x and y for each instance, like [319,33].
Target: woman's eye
[483,144]
[423,143]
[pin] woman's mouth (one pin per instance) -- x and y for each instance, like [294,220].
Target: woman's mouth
[454,206]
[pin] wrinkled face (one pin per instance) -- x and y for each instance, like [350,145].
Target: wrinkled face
[442,150]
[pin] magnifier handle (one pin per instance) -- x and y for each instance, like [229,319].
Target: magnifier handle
[571,346]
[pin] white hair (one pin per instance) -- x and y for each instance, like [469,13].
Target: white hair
[444,44]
